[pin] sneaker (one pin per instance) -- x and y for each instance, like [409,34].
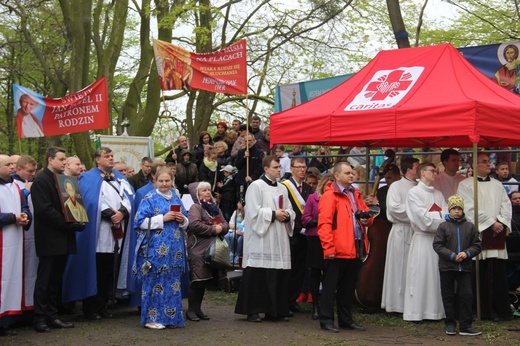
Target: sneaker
[470,331]
[450,329]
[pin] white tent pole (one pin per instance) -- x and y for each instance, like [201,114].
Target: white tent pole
[475,217]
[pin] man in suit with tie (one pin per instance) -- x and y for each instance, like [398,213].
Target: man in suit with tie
[298,192]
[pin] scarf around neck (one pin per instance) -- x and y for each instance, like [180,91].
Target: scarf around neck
[210,207]
[212,165]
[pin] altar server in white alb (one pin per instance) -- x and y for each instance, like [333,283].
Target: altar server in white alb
[426,209]
[269,222]
[14,218]
[494,223]
[400,237]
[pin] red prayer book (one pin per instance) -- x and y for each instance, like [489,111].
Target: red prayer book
[435,207]
[492,240]
[175,207]
[117,232]
[216,220]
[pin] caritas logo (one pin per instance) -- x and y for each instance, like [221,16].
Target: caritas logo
[385,89]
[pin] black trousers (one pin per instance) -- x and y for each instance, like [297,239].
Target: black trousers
[494,289]
[48,282]
[339,283]
[457,302]
[105,282]
[298,243]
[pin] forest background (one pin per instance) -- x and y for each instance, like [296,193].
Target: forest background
[57,47]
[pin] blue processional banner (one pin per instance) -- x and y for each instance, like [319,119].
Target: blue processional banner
[496,61]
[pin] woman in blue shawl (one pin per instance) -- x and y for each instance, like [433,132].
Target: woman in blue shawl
[162,211]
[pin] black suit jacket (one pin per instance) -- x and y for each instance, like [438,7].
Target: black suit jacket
[52,235]
[138,180]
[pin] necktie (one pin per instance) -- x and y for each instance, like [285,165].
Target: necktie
[300,189]
[358,233]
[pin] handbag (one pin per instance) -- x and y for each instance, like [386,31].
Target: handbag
[217,253]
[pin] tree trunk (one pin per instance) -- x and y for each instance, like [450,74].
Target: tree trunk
[401,35]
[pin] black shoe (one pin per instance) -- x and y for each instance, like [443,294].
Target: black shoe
[105,314]
[330,327]
[254,318]
[202,315]
[192,316]
[291,314]
[353,326]
[316,313]
[272,318]
[93,317]
[295,307]
[6,331]
[42,327]
[59,324]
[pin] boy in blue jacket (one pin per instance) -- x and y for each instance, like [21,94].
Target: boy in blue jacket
[457,242]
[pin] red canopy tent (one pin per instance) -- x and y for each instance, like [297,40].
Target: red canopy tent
[414,97]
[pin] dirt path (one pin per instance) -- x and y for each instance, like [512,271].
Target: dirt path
[227,328]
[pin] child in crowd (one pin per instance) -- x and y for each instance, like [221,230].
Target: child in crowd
[226,191]
[457,242]
[235,236]
[502,174]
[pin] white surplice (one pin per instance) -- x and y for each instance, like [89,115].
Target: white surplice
[493,205]
[266,243]
[422,299]
[399,239]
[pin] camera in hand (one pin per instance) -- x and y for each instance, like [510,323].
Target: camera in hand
[361,214]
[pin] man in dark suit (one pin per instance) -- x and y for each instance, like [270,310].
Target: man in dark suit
[54,239]
[143,176]
[299,191]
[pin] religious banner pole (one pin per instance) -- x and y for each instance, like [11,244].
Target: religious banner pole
[167,113]
[247,135]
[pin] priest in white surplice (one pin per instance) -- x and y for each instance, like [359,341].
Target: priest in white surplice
[14,215]
[269,222]
[394,281]
[426,209]
[448,181]
[494,215]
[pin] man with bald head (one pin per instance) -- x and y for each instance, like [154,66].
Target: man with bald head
[14,216]
[73,167]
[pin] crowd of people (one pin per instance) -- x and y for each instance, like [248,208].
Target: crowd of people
[295,226]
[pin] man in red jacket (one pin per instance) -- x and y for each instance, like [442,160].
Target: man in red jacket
[342,231]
